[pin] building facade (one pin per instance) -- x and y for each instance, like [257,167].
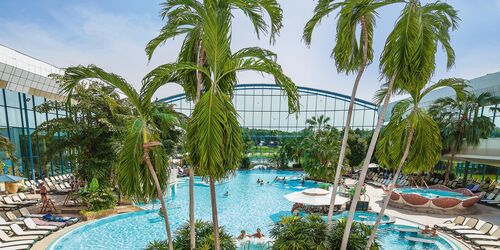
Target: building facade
[24,84]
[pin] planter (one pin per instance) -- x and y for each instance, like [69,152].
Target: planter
[11,187]
[89,215]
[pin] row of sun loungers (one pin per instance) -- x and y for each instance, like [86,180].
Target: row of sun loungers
[22,232]
[491,198]
[16,201]
[55,184]
[379,180]
[482,236]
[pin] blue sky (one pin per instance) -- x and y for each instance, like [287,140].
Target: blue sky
[113,33]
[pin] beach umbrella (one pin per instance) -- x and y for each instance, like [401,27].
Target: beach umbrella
[10,178]
[314,197]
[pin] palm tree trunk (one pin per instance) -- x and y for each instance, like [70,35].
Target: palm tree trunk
[147,160]
[466,173]
[192,229]
[348,122]
[450,163]
[362,176]
[215,219]
[391,188]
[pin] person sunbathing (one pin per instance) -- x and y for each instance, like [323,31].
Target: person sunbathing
[258,234]
[426,230]
[242,235]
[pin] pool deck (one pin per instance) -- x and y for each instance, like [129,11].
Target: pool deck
[483,213]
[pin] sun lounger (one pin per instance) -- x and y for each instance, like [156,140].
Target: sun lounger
[7,207]
[25,198]
[26,213]
[485,243]
[20,232]
[484,229]
[16,243]
[459,220]
[16,198]
[495,235]
[16,247]
[470,224]
[30,224]
[3,222]
[6,238]
[9,201]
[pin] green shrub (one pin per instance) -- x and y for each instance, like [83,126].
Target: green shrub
[325,186]
[245,162]
[97,198]
[204,238]
[360,233]
[298,233]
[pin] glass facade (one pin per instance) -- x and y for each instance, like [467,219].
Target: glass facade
[18,120]
[263,113]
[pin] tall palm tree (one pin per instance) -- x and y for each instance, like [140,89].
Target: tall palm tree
[411,138]
[184,18]
[352,54]
[408,59]
[461,123]
[143,164]
[213,136]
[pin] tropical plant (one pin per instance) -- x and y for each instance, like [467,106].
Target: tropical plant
[213,135]
[320,147]
[411,139]
[190,18]
[93,136]
[142,166]
[356,146]
[351,53]
[462,123]
[97,198]
[408,61]
[358,239]
[9,150]
[299,233]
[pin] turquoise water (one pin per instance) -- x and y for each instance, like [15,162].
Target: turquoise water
[248,206]
[432,193]
[365,217]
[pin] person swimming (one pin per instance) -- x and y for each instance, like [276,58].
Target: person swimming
[258,234]
[243,235]
[226,194]
[426,230]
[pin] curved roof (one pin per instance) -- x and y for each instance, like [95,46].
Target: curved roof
[305,90]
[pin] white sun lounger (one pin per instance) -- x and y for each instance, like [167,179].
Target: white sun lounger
[30,224]
[470,224]
[459,220]
[17,247]
[484,229]
[19,231]
[495,235]
[6,238]
[16,243]
[491,243]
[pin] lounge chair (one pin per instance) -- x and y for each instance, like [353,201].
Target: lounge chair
[14,247]
[495,235]
[20,232]
[488,197]
[25,198]
[487,243]
[494,201]
[470,224]
[30,224]
[16,198]
[4,245]
[26,213]
[483,230]
[6,238]
[7,207]
[3,222]
[9,201]
[459,220]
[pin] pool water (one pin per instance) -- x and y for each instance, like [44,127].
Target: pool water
[365,217]
[390,238]
[432,193]
[248,206]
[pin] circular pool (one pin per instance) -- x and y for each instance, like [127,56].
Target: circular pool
[248,206]
[437,198]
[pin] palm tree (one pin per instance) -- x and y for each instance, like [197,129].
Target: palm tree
[141,150]
[186,18]
[461,122]
[213,136]
[408,59]
[411,138]
[352,54]
[9,149]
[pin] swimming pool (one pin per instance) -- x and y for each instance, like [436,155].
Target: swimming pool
[432,193]
[248,206]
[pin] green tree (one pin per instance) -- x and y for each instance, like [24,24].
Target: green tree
[408,59]
[9,150]
[412,138]
[142,168]
[92,135]
[351,53]
[213,135]
[187,17]
[461,122]
[357,146]
[358,239]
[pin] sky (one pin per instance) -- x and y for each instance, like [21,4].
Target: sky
[112,34]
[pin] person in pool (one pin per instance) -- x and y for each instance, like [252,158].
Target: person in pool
[242,235]
[226,194]
[258,234]
[426,230]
